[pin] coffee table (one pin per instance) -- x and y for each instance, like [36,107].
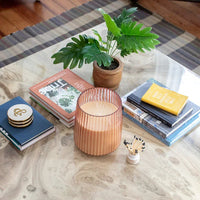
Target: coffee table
[54,168]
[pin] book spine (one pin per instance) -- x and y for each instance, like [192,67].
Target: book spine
[9,138]
[151,113]
[193,122]
[159,137]
[188,126]
[68,125]
[40,137]
[144,122]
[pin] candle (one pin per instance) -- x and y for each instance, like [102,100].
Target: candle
[99,108]
[98,122]
[100,119]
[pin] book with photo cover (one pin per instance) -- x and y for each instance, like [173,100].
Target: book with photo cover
[167,118]
[59,93]
[26,136]
[68,123]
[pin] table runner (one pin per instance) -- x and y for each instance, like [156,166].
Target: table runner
[176,43]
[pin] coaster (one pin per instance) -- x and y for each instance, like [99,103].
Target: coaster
[19,112]
[20,122]
[21,125]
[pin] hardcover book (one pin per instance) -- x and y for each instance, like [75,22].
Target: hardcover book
[152,123]
[59,93]
[155,127]
[180,132]
[165,99]
[24,137]
[67,122]
[167,118]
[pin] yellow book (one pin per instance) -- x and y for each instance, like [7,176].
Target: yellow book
[165,99]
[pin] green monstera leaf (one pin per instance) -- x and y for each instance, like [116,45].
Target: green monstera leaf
[125,16]
[83,50]
[72,55]
[92,53]
[135,39]
[110,23]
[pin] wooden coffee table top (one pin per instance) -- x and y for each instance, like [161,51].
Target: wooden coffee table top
[54,168]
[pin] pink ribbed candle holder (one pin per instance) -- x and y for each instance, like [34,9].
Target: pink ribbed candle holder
[98,121]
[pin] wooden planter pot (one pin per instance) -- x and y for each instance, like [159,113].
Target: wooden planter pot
[107,78]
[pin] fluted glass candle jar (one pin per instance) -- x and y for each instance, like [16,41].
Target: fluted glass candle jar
[98,121]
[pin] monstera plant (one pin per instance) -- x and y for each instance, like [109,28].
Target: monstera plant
[124,36]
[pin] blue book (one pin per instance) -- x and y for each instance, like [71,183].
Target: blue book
[24,137]
[167,118]
[151,122]
[180,132]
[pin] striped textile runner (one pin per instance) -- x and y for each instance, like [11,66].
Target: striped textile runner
[176,43]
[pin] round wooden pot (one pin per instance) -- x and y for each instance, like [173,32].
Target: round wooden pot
[107,78]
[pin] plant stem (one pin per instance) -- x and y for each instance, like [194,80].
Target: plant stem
[113,49]
[109,41]
[116,54]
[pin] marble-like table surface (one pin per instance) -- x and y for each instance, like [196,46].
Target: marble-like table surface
[54,169]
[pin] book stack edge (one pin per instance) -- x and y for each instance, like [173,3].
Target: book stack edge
[155,126]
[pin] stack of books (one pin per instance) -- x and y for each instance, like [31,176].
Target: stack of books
[58,94]
[160,118]
[23,136]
